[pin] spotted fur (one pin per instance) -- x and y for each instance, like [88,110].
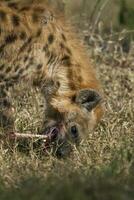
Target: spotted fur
[37,45]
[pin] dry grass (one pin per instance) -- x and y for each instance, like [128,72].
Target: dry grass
[102,167]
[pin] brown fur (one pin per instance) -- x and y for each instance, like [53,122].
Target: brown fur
[39,46]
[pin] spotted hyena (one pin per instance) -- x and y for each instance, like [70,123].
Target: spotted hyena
[37,46]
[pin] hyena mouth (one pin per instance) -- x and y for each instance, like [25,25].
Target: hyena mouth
[57,141]
[52,133]
[52,136]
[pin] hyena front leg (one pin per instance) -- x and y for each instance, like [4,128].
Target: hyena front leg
[52,116]
[6,118]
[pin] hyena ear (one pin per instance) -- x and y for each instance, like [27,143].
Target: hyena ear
[88,98]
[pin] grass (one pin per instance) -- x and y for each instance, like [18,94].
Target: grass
[103,166]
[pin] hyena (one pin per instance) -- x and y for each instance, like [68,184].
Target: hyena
[39,47]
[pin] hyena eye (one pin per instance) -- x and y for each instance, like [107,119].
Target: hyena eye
[74,131]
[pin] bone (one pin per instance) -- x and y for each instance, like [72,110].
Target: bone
[47,137]
[27,136]
[18,136]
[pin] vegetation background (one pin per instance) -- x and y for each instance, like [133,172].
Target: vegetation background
[102,168]
[116,13]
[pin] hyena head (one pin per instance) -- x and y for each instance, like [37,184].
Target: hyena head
[78,121]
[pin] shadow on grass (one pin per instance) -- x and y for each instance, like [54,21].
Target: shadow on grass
[76,186]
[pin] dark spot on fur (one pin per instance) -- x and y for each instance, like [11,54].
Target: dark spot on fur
[25,8]
[62,45]
[2,15]
[27,66]
[65,48]
[20,71]
[66,60]
[35,17]
[29,49]
[45,48]
[39,66]
[26,44]
[2,67]
[47,52]
[16,68]
[8,70]
[51,59]
[29,40]
[68,51]
[9,84]
[80,79]
[66,57]
[1,76]
[31,61]
[63,37]
[0,31]
[39,32]
[72,85]
[73,98]
[23,35]
[25,58]
[12,5]
[39,10]
[15,77]
[10,38]
[2,50]
[58,84]
[71,82]
[50,38]
[15,20]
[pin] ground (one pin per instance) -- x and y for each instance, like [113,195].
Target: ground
[102,167]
